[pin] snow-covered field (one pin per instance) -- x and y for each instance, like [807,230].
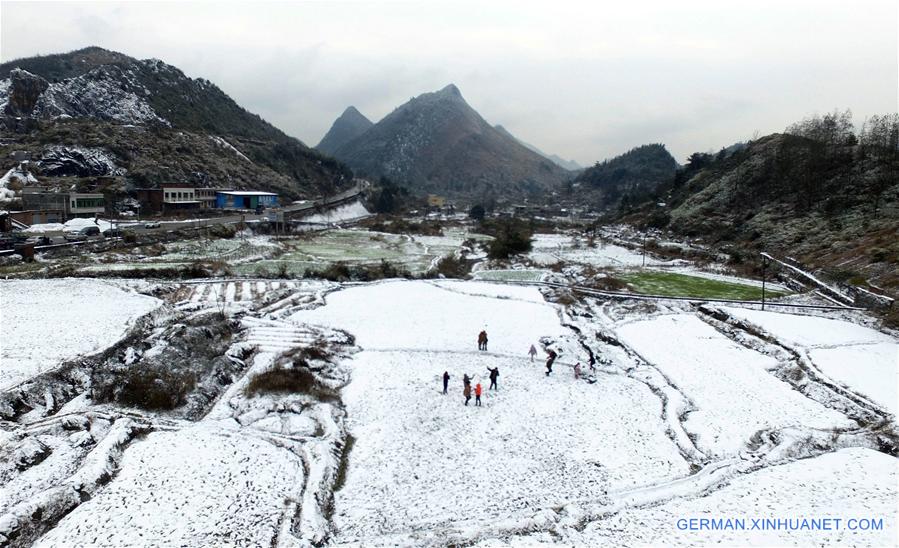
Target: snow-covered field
[194,487]
[425,316]
[535,443]
[426,468]
[552,248]
[729,385]
[849,484]
[685,417]
[44,322]
[855,356]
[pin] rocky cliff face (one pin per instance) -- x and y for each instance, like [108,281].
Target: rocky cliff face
[22,93]
[437,143]
[105,93]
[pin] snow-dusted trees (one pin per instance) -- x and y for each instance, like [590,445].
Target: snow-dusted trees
[878,142]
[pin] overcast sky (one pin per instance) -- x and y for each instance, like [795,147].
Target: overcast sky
[583,80]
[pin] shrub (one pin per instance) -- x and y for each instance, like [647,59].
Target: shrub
[453,267]
[511,238]
[402,226]
[565,298]
[337,272]
[296,379]
[879,254]
[609,284]
[154,388]
[341,272]
[223,231]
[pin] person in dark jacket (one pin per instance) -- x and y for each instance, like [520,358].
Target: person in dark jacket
[549,361]
[467,393]
[494,374]
[482,340]
[446,378]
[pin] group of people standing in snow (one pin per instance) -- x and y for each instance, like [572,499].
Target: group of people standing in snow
[467,389]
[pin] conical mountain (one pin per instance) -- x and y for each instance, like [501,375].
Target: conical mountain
[437,143]
[350,125]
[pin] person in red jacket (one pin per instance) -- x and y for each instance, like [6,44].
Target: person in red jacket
[477,394]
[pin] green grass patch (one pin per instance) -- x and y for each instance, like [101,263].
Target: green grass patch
[671,284]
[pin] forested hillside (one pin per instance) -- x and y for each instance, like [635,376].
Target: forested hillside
[822,192]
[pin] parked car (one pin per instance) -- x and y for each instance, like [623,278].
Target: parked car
[112,233]
[82,234]
[152,224]
[40,240]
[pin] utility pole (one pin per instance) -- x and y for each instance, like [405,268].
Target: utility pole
[644,249]
[764,266]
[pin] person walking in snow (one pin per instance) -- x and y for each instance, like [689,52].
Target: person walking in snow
[467,393]
[532,352]
[446,378]
[549,361]
[477,394]
[482,340]
[494,374]
[577,371]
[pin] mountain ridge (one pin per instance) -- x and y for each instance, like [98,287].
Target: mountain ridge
[436,142]
[96,87]
[570,165]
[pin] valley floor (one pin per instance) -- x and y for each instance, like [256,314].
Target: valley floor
[690,412]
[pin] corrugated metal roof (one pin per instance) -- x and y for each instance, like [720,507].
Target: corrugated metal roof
[245,193]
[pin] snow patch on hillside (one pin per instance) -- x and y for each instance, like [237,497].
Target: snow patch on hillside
[340,214]
[107,93]
[17,175]
[226,145]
